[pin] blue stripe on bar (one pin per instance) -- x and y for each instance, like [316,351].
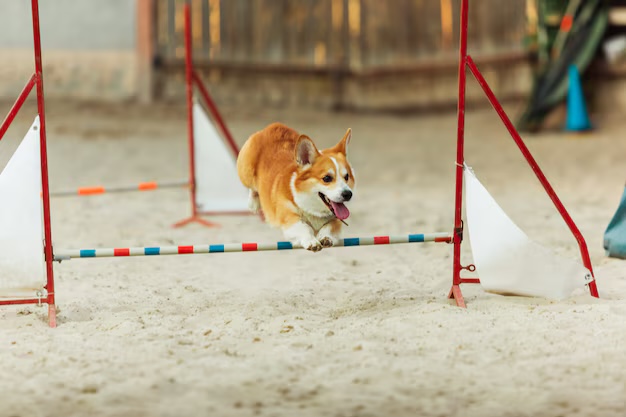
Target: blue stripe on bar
[416,238]
[87,253]
[284,245]
[351,241]
[152,251]
[216,248]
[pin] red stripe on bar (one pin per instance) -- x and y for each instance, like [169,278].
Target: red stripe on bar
[121,252]
[143,186]
[447,239]
[185,249]
[90,190]
[381,240]
[249,247]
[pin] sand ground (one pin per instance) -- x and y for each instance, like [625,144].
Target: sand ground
[346,332]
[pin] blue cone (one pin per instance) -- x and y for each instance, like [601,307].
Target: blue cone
[615,234]
[577,117]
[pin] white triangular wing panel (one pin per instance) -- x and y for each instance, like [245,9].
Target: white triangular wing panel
[507,261]
[218,188]
[22,265]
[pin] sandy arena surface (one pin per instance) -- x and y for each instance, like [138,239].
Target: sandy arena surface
[346,332]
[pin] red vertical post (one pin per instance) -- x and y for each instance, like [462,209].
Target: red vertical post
[189,91]
[41,109]
[455,291]
[190,133]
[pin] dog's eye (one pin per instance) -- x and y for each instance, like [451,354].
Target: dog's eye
[346,177]
[327,178]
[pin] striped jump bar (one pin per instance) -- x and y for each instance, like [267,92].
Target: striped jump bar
[242,247]
[142,186]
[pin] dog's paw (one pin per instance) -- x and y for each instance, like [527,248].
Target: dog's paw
[328,241]
[312,244]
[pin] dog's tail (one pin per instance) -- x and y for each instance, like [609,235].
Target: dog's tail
[247,162]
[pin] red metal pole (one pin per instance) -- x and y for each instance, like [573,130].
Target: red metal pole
[189,89]
[537,170]
[190,133]
[17,105]
[216,114]
[455,291]
[24,301]
[44,167]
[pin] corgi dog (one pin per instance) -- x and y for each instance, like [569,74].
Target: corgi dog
[299,188]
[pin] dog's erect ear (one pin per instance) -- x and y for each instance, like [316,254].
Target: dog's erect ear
[306,151]
[342,146]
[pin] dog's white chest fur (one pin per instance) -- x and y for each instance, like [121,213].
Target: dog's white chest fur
[316,222]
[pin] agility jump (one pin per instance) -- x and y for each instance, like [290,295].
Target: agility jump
[483,233]
[243,247]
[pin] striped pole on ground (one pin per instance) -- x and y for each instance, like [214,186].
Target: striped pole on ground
[241,247]
[142,186]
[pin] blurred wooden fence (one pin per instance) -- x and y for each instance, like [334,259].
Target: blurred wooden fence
[318,33]
[339,38]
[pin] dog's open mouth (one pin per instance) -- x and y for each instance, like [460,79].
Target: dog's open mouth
[338,209]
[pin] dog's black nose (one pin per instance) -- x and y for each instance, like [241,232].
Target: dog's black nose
[347,195]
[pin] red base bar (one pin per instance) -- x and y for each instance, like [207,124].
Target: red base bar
[457,295]
[52,311]
[195,219]
[22,301]
[227,213]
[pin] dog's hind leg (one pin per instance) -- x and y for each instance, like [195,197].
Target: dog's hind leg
[253,201]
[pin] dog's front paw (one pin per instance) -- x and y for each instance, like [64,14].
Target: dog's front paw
[312,244]
[329,234]
[328,241]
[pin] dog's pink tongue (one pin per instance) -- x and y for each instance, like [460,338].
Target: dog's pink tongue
[341,211]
